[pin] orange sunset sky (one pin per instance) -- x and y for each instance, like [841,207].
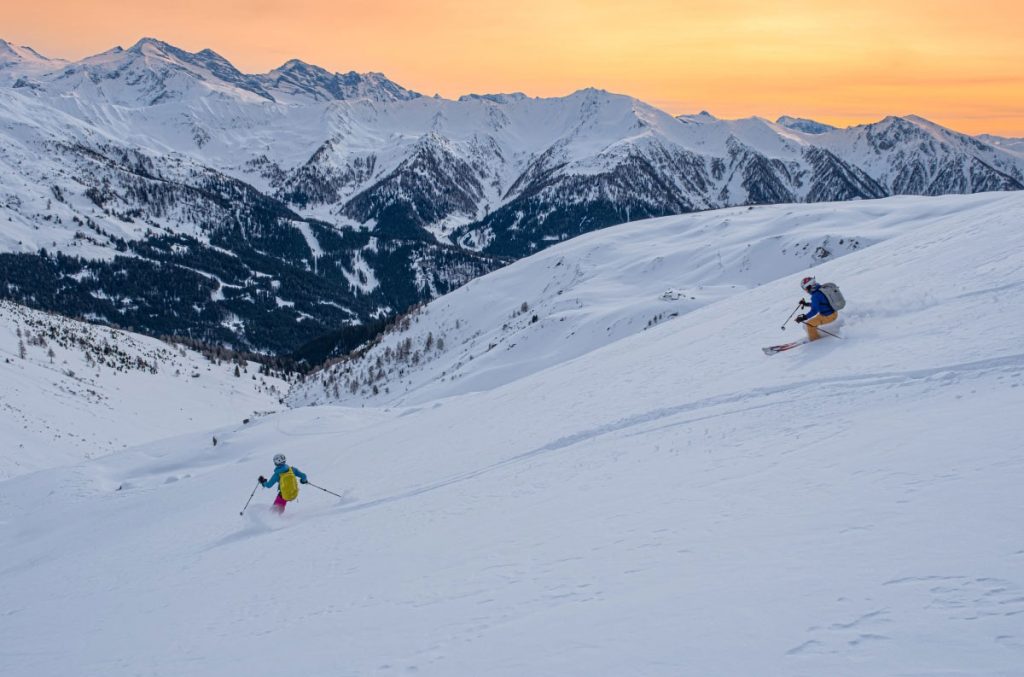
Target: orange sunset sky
[958,63]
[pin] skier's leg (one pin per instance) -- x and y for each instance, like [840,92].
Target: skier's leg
[815,322]
[279,503]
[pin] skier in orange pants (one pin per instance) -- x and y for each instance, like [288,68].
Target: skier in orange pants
[822,311]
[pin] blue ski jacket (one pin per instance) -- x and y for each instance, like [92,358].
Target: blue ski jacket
[281,469]
[819,304]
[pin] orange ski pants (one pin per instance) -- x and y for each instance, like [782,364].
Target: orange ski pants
[812,324]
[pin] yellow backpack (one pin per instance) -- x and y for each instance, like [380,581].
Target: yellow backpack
[289,485]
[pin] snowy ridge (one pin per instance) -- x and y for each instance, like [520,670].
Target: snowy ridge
[804,125]
[300,82]
[1010,145]
[849,508]
[19,62]
[72,390]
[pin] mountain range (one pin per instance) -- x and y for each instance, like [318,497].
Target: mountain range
[166,191]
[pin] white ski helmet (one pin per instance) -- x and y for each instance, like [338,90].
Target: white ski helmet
[279,459]
[808,283]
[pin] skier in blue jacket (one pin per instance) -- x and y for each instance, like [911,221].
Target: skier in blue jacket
[822,311]
[287,489]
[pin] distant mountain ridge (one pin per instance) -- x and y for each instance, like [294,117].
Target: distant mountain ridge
[276,207]
[151,72]
[804,125]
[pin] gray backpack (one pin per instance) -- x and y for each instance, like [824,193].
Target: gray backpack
[834,296]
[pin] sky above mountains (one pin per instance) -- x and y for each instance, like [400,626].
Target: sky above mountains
[838,62]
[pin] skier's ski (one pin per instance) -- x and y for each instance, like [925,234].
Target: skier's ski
[771,350]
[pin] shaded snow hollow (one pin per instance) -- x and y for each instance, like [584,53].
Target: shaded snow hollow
[672,503]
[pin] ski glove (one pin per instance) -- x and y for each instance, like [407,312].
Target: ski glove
[262,480]
[803,303]
[303,481]
[801,318]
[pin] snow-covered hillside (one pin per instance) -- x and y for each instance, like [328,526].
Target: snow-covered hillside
[672,503]
[72,391]
[599,288]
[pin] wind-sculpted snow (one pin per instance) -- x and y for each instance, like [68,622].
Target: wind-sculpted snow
[670,503]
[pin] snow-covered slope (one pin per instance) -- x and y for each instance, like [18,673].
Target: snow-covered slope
[673,503]
[599,288]
[71,390]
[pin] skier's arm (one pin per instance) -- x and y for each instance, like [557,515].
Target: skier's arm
[301,475]
[273,479]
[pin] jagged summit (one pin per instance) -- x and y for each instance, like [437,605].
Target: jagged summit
[700,117]
[154,43]
[23,54]
[496,98]
[152,72]
[20,64]
[296,80]
[7,50]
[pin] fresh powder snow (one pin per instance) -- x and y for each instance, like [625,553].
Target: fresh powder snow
[663,501]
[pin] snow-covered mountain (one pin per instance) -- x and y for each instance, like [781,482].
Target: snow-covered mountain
[334,199]
[804,125]
[1011,145]
[671,503]
[72,391]
[23,62]
[157,241]
[300,82]
[152,72]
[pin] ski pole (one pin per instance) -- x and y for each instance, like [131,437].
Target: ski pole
[327,490]
[798,307]
[250,497]
[826,331]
